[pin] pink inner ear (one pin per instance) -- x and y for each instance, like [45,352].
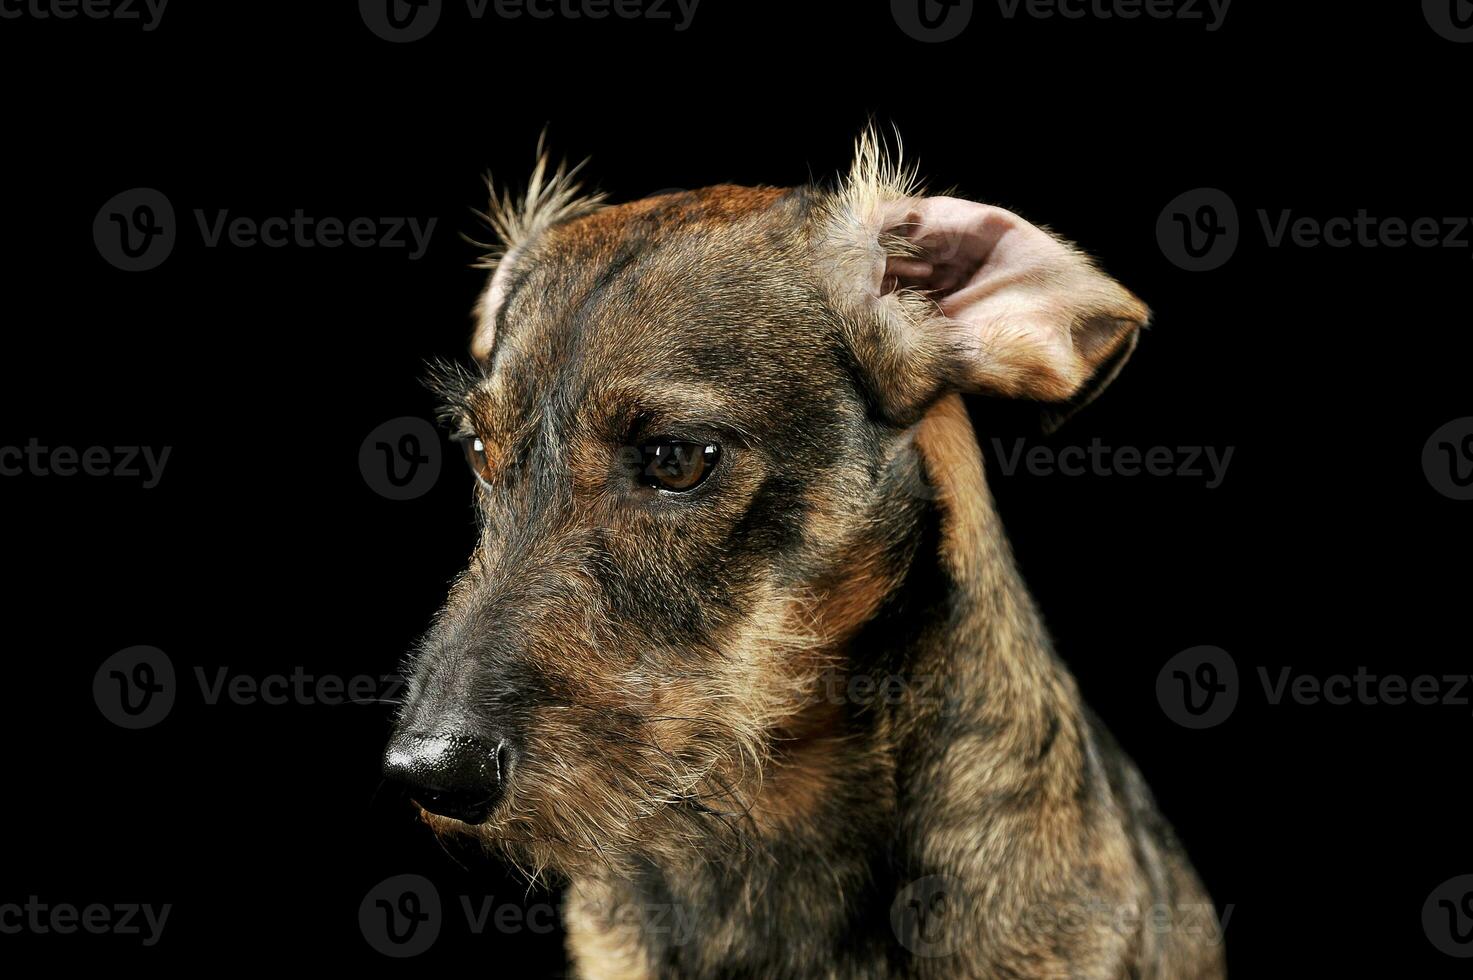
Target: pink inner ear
[963,244]
[1035,316]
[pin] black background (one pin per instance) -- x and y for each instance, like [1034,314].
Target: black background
[263,549]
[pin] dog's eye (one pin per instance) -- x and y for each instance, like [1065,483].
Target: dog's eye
[678,466]
[475,455]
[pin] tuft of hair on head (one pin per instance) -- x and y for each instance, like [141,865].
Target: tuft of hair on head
[879,174]
[553,194]
[854,232]
[858,232]
[941,293]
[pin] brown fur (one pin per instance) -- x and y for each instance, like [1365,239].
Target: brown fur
[671,667]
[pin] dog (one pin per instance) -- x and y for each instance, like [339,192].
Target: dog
[742,655]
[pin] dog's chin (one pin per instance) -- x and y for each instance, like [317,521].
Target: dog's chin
[514,839]
[670,834]
[449,826]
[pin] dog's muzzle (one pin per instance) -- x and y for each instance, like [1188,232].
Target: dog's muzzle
[452,774]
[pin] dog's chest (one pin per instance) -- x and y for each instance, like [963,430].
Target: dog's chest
[826,922]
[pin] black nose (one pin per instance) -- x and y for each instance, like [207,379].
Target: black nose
[450,773]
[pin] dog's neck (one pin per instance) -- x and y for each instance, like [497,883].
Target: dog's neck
[994,648]
[953,660]
[955,654]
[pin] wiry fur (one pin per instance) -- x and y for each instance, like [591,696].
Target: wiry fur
[668,667]
[879,224]
[855,237]
[549,198]
[672,776]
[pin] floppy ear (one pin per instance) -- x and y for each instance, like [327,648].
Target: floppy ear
[955,295]
[1023,313]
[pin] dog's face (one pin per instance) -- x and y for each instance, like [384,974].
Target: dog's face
[688,426]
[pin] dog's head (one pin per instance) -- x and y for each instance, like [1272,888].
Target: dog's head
[690,427]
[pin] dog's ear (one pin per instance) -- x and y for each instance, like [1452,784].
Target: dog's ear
[955,295]
[553,195]
[1025,314]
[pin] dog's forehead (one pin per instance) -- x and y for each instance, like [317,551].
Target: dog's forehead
[680,252]
[706,286]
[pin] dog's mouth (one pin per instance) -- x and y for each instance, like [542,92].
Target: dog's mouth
[455,806]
